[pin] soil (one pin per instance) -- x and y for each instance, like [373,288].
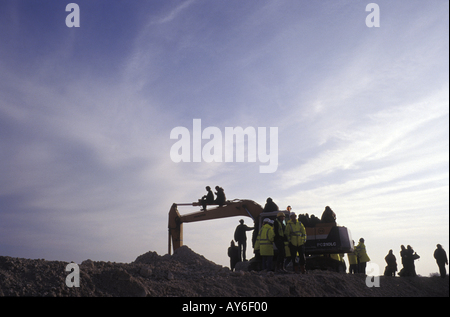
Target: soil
[188,274]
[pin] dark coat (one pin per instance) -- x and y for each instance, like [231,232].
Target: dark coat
[233,253]
[441,256]
[240,233]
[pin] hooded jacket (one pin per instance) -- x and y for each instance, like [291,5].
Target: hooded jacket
[265,239]
[360,251]
[295,232]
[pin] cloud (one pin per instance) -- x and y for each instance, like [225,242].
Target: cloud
[174,12]
[394,133]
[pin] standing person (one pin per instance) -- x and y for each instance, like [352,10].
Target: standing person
[233,253]
[296,235]
[278,228]
[404,255]
[391,266]
[408,256]
[411,257]
[208,199]
[441,259]
[266,238]
[220,196]
[240,237]
[352,261]
[257,250]
[363,258]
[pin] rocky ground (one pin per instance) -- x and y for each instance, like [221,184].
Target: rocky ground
[187,273]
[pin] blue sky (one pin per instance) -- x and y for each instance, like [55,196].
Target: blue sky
[86,114]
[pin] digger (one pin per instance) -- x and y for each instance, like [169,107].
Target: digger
[324,237]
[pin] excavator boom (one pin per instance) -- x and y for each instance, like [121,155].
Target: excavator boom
[234,208]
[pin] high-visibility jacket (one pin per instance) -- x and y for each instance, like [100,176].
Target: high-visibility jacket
[360,251]
[287,250]
[352,259]
[336,257]
[266,238]
[256,248]
[295,232]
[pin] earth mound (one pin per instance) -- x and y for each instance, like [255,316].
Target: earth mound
[186,273]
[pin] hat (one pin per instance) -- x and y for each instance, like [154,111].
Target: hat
[281,214]
[292,214]
[266,220]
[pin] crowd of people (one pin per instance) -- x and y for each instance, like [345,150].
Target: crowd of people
[288,238]
[279,242]
[408,256]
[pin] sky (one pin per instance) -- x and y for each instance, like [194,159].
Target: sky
[86,114]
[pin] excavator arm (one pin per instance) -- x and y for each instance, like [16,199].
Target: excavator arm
[234,208]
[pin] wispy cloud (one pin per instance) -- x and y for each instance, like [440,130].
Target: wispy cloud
[392,133]
[174,12]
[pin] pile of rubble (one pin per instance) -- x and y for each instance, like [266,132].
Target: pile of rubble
[186,273]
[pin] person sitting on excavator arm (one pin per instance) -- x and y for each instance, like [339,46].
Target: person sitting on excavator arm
[208,199]
[220,199]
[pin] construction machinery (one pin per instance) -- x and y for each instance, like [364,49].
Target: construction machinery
[323,239]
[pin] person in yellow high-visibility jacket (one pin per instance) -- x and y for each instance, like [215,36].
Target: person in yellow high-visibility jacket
[265,238]
[296,235]
[363,258]
[352,261]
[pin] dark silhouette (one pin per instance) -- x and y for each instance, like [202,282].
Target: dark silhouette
[220,196]
[233,253]
[441,259]
[391,266]
[240,237]
[208,199]
[270,206]
[403,255]
[304,219]
[279,240]
[408,257]
[328,215]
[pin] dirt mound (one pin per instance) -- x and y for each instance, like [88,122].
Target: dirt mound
[186,273]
